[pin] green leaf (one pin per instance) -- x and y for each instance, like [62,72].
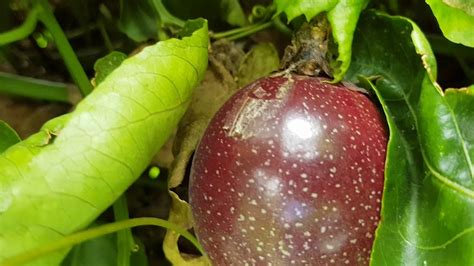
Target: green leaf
[216,11]
[8,137]
[60,179]
[138,20]
[232,12]
[99,251]
[105,65]
[456,19]
[428,199]
[102,251]
[260,61]
[342,15]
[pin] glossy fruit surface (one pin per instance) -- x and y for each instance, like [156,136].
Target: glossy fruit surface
[290,172]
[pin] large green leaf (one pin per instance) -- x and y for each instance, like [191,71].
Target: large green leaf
[428,200]
[138,20]
[342,15]
[456,19]
[8,137]
[216,11]
[60,179]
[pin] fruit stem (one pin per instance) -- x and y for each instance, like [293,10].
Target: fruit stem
[308,53]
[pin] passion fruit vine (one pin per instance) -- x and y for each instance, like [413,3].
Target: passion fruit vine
[290,171]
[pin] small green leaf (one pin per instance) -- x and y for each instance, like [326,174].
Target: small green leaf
[216,11]
[428,199]
[456,19]
[138,20]
[342,15]
[105,65]
[260,61]
[8,136]
[59,180]
[232,12]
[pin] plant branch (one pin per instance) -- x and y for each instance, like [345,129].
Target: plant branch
[46,16]
[242,32]
[98,231]
[34,88]
[125,241]
[21,32]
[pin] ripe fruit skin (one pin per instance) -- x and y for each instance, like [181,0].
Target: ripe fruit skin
[290,172]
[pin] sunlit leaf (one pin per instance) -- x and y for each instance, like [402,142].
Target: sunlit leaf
[456,19]
[428,200]
[60,179]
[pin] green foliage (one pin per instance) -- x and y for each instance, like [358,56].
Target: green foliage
[342,15]
[232,12]
[102,251]
[105,65]
[428,200]
[60,179]
[260,61]
[98,251]
[456,19]
[55,181]
[215,11]
[137,20]
[8,137]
